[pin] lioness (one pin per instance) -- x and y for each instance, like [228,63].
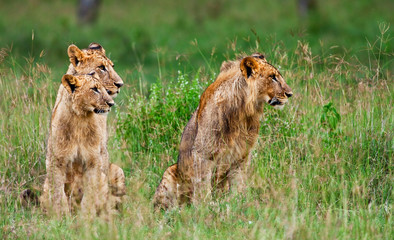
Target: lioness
[77,137]
[217,141]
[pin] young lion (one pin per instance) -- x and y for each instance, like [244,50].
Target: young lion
[89,61]
[77,137]
[113,173]
[85,61]
[217,141]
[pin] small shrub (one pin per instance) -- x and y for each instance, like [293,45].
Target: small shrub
[330,117]
[155,123]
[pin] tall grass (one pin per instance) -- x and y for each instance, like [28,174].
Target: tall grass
[322,167]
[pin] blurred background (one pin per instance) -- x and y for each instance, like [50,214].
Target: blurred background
[155,38]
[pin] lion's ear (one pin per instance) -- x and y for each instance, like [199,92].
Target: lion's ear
[70,83]
[75,54]
[249,66]
[96,46]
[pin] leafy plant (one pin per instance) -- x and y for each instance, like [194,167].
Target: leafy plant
[330,117]
[153,123]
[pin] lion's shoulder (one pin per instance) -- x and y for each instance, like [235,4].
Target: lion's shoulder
[229,73]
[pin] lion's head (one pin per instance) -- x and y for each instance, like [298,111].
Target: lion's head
[269,83]
[87,94]
[94,59]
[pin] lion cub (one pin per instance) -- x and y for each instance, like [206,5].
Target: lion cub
[77,138]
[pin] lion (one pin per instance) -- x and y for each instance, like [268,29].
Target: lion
[88,60]
[216,143]
[92,60]
[77,138]
[83,61]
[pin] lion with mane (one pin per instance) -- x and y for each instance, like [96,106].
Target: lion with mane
[217,141]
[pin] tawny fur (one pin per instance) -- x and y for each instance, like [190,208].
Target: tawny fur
[85,61]
[77,143]
[216,143]
[74,187]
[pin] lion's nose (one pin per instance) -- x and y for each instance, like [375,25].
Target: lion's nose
[119,85]
[110,104]
[289,94]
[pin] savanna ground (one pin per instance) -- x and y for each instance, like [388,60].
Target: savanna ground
[322,168]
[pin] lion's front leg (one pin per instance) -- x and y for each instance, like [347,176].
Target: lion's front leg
[103,198]
[91,182]
[54,199]
[237,179]
[220,183]
[237,175]
[44,198]
[201,180]
[104,204]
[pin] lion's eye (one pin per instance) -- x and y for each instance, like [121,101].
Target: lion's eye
[95,90]
[102,67]
[274,78]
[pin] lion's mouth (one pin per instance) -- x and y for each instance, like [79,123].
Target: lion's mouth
[274,102]
[101,111]
[113,94]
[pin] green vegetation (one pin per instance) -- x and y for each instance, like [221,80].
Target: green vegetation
[322,168]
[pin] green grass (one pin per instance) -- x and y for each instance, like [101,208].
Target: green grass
[322,168]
